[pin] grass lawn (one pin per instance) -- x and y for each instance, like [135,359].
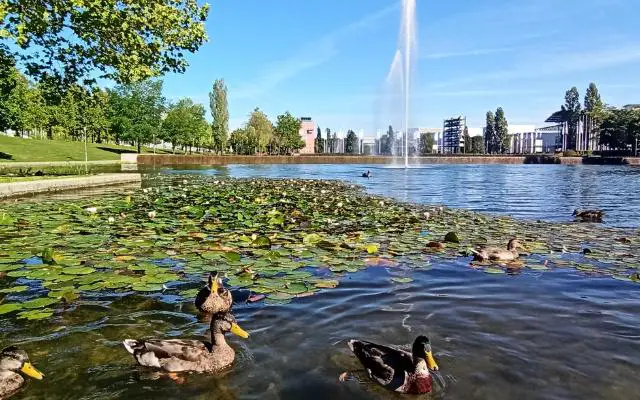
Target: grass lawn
[18,149]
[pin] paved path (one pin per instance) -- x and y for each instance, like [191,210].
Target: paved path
[78,182]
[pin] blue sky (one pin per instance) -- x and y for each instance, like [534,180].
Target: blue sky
[330,59]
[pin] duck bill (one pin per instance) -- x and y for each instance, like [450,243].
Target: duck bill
[431,362]
[30,370]
[236,330]
[213,284]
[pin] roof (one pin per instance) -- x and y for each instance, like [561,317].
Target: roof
[557,117]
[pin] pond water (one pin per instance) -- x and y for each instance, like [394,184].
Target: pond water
[532,333]
[546,192]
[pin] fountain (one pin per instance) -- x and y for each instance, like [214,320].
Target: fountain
[402,64]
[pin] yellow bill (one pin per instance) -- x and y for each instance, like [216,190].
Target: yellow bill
[236,330]
[29,369]
[431,362]
[213,284]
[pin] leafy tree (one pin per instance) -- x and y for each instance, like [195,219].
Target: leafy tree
[594,108]
[620,129]
[571,111]
[319,144]
[490,141]
[501,129]
[477,145]
[427,141]
[244,141]
[185,125]
[138,108]
[391,138]
[467,140]
[263,129]
[121,40]
[351,142]
[220,115]
[288,132]
[329,148]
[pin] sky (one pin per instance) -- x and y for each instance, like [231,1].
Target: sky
[331,59]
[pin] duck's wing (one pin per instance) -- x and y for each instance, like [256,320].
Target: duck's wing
[154,352]
[387,365]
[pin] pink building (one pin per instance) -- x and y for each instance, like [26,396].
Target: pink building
[308,135]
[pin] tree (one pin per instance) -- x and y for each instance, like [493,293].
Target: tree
[571,111]
[594,108]
[621,129]
[391,138]
[220,115]
[351,142]
[185,125]
[477,145]
[427,141]
[263,128]
[501,129]
[329,148]
[287,131]
[319,144]
[490,133]
[467,140]
[138,109]
[125,41]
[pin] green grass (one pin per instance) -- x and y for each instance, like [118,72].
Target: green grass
[25,150]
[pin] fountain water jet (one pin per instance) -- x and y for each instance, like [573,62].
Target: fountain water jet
[407,48]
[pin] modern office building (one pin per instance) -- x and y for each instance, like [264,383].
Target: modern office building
[453,135]
[308,134]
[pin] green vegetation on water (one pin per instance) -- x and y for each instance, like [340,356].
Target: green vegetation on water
[279,238]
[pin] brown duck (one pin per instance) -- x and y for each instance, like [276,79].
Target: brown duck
[12,362]
[498,254]
[214,298]
[588,215]
[180,355]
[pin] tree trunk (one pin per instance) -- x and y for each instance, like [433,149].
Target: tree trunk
[139,146]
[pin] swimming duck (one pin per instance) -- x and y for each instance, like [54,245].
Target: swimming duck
[366,174]
[588,215]
[396,369]
[178,355]
[498,254]
[12,361]
[214,298]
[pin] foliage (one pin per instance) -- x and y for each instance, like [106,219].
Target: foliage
[501,130]
[185,125]
[427,141]
[220,114]
[319,143]
[387,142]
[137,111]
[572,110]
[329,141]
[244,141]
[490,142]
[287,133]
[263,129]
[351,142]
[124,41]
[477,145]
[467,140]
[620,129]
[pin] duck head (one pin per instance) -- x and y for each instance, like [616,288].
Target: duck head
[226,322]
[422,350]
[17,360]
[213,298]
[514,244]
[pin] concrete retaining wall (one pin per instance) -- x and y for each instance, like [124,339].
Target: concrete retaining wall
[80,182]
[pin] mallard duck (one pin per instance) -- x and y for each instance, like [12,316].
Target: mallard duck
[396,369]
[176,355]
[214,298]
[12,361]
[588,215]
[366,174]
[498,254]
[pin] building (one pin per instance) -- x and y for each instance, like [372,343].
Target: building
[308,135]
[586,138]
[631,107]
[368,146]
[453,135]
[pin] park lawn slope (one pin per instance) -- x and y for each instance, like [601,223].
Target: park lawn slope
[25,150]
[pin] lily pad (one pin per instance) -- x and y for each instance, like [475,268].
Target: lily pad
[9,307]
[402,280]
[15,289]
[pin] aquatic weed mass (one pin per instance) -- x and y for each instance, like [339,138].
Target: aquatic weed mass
[279,238]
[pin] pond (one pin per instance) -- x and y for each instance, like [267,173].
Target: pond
[560,324]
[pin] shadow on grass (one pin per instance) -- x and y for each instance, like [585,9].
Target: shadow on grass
[5,156]
[117,151]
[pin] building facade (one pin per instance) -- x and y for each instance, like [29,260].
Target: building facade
[308,135]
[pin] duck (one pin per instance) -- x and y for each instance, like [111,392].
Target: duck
[13,361]
[588,215]
[366,174]
[395,369]
[184,355]
[214,298]
[498,254]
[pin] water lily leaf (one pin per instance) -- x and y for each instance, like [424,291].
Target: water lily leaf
[255,298]
[39,303]
[262,241]
[493,270]
[452,237]
[190,293]
[15,289]
[311,239]
[147,288]
[402,280]
[78,270]
[327,284]
[35,314]
[49,256]
[232,256]
[372,248]
[9,307]
[280,296]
